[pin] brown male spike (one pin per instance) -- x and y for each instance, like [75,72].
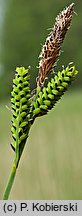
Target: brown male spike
[52,46]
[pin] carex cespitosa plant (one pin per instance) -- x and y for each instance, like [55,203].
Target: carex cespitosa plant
[26,105]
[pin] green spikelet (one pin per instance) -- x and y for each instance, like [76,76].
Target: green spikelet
[20,96]
[47,97]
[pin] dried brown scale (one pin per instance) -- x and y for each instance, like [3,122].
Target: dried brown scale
[52,46]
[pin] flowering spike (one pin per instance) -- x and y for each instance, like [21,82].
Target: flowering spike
[48,96]
[52,46]
[20,96]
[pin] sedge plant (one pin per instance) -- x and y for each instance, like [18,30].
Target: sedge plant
[27,105]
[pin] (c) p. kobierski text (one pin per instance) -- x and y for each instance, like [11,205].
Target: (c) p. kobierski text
[54,207]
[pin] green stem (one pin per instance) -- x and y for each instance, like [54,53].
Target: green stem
[10,181]
[15,164]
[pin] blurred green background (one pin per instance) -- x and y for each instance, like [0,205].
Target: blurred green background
[51,165]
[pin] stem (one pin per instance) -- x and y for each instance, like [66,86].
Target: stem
[15,164]
[10,181]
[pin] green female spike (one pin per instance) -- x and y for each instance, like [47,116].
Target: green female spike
[54,91]
[20,96]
